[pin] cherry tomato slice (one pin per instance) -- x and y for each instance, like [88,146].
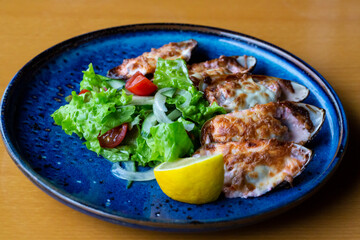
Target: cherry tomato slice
[113,137]
[140,85]
[83,91]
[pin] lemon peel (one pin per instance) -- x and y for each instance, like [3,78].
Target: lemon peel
[192,180]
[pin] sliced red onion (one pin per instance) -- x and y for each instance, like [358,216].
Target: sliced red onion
[129,166]
[148,123]
[159,107]
[121,173]
[160,100]
[161,116]
[187,97]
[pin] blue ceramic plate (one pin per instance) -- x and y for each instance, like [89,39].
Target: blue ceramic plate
[62,166]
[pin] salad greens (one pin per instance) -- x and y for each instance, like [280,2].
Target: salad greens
[172,73]
[92,81]
[149,139]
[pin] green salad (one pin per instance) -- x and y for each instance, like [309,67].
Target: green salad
[161,127]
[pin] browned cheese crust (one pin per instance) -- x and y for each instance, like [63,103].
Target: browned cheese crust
[226,86]
[285,160]
[260,122]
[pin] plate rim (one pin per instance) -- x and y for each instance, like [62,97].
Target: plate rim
[51,190]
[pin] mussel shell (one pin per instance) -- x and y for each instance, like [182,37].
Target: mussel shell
[248,62]
[251,175]
[316,116]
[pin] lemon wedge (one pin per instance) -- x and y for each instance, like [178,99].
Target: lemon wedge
[192,180]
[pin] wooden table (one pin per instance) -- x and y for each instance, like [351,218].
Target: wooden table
[323,33]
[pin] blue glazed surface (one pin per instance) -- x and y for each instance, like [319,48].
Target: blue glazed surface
[63,167]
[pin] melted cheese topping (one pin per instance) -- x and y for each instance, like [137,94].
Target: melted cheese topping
[146,63]
[238,92]
[253,168]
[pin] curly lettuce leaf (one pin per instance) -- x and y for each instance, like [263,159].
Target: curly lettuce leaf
[93,81]
[169,141]
[172,73]
[89,114]
[142,153]
[199,109]
[166,142]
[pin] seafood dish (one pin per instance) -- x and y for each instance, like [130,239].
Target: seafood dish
[254,167]
[158,107]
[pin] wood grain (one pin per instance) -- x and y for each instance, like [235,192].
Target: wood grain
[323,33]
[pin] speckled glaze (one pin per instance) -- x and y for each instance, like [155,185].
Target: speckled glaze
[62,166]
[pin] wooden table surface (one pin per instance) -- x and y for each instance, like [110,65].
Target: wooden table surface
[325,34]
